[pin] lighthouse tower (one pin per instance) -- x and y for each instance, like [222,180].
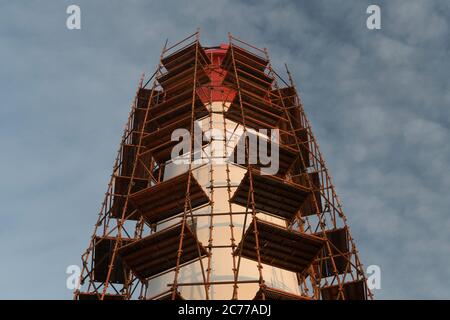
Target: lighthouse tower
[219,190]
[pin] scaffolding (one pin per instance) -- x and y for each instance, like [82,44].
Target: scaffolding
[146,224]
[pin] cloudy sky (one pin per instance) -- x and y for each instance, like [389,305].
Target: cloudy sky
[379,103]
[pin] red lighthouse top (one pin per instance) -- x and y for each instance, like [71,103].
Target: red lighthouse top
[216,90]
[216,54]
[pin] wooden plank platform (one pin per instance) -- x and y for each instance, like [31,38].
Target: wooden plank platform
[173,108]
[186,53]
[259,113]
[353,290]
[128,159]
[121,184]
[95,296]
[167,199]
[309,206]
[280,247]
[276,294]
[286,156]
[272,195]
[180,67]
[159,143]
[244,58]
[174,83]
[249,70]
[169,296]
[338,239]
[158,252]
[103,251]
[144,97]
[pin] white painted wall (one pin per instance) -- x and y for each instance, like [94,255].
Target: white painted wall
[221,259]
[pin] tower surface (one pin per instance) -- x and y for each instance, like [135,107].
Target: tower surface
[219,190]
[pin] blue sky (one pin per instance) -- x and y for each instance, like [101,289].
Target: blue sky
[379,103]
